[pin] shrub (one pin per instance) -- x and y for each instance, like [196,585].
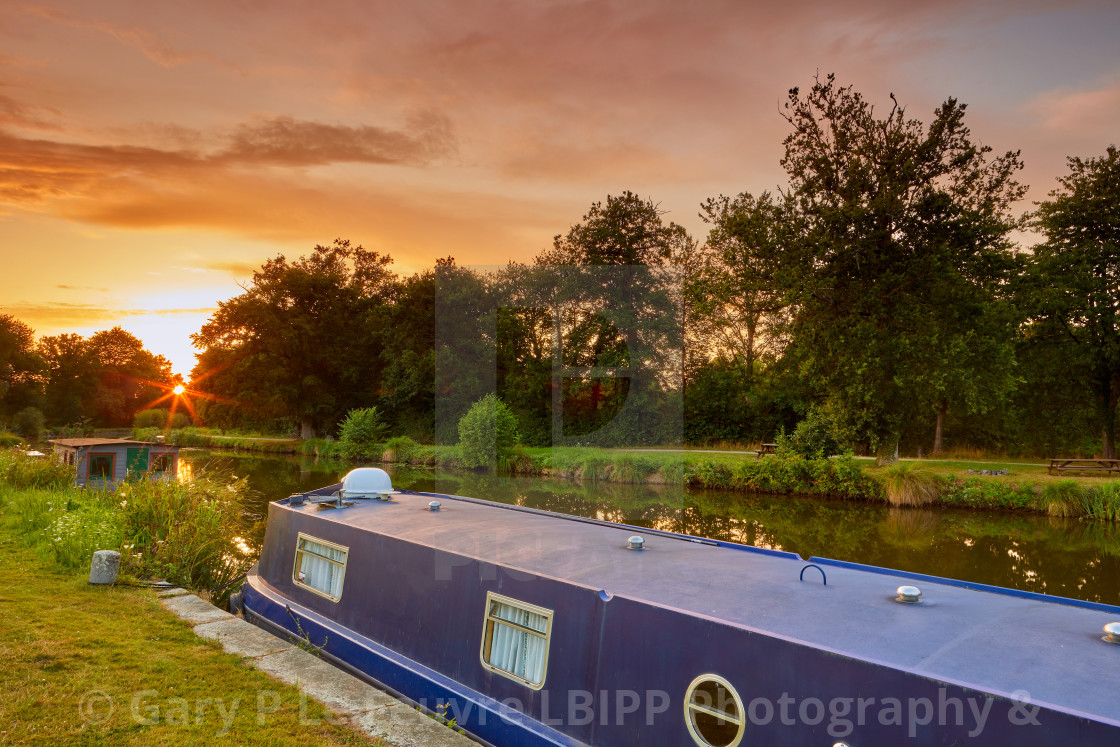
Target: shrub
[29,422]
[360,434]
[814,438]
[487,433]
[188,533]
[402,448]
[160,418]
[8,440]
[906,484]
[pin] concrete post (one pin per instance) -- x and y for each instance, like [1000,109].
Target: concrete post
[105,566]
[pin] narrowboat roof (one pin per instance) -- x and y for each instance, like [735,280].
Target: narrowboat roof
[999,641]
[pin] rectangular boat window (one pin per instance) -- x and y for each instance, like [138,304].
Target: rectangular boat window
[515,639]
[320,566]
[162,463]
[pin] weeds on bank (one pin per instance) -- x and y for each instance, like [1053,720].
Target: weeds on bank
[187,533]
[907,484]
[1070,498]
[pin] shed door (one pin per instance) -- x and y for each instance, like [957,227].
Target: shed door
[137,460]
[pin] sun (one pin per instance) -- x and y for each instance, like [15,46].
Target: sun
[179,389]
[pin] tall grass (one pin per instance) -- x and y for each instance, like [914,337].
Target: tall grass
[907,484]
[193,534]
[1069,498]
[20,471]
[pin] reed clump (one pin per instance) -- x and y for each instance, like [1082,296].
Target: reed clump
[1070,499]
[907,484]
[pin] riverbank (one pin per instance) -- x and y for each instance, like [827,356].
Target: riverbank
[1017,485]
[108,665]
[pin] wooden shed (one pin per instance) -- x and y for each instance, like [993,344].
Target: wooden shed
[108,461]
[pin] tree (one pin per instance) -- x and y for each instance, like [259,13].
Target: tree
[299,343]
[129,377]
[616,304]
[900,275]
[20,367]
[739,291]
[1074,283]
[72,372]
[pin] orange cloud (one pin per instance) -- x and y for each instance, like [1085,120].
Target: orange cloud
[57,314]
[33,170]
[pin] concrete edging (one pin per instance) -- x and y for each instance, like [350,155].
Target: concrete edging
[373,712]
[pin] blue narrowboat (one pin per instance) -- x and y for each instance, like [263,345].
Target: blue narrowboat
[533,628]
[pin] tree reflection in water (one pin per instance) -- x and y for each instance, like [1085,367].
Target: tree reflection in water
[1065,557]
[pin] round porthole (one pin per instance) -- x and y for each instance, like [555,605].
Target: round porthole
[713,712]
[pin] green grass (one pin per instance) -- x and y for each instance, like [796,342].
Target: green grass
[908,484]
[185,532]
[62,639]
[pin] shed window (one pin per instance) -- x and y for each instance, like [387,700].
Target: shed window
[101,466]
[163,463]
[714,712]
[515,639]
[320,566]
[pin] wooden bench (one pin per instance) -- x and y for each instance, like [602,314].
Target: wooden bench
[765,449]
[1107,466]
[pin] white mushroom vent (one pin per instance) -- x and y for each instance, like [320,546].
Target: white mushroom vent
[367,482]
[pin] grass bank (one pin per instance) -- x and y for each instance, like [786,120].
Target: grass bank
[947,482]
[109,666]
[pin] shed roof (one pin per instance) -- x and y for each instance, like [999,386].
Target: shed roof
[78,442]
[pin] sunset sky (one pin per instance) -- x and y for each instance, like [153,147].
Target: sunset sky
[153,154]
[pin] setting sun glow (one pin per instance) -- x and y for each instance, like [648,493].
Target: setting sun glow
[179,389]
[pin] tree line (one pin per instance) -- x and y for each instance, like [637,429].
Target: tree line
[881,300]
[70,380]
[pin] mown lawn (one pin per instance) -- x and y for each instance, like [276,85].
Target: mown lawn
[83,665]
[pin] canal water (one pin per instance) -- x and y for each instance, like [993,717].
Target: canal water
[1065,557]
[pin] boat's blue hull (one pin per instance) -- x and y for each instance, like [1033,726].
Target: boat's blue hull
[618,666]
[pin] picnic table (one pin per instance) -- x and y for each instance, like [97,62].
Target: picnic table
[765,449]
[1107,466]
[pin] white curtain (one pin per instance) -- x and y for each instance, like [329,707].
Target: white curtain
[317,570]
[517,651]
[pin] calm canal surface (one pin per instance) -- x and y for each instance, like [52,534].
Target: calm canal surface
[1036,553]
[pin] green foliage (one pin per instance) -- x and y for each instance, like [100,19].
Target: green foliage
[1072,287]
[20,367]
[300,342]
[187,533]
[814,437]
[1070,498]
[161,419]
[402,449]
[841,477]
[487,433]
[320,447]
[23,472]
[361,433]
[8,439]
[900,269]
[907,484]
[29,422]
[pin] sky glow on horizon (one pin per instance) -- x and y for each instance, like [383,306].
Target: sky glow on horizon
[153,155]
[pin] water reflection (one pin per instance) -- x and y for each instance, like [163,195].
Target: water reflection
[1056,556]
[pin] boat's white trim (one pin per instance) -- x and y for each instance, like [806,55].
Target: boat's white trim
[488,622]
[691,708]
[296,564]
